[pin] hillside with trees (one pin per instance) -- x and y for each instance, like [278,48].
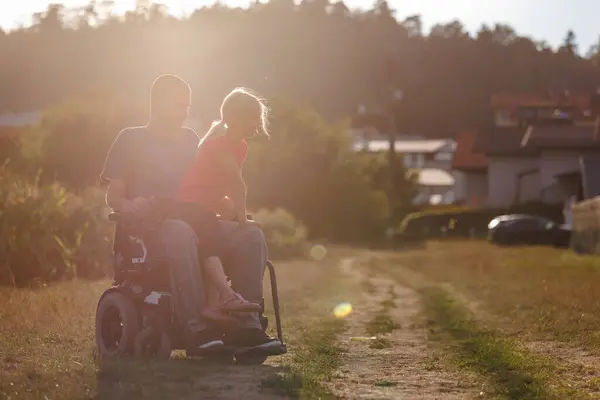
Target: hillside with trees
[318,53]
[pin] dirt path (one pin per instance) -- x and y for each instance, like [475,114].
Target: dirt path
[398,364]
[52,350]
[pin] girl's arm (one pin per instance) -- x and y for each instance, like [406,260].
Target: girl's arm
[237,186]
[226,209]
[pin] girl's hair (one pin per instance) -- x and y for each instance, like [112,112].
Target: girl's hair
[237,104]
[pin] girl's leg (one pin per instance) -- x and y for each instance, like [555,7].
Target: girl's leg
[213,297]
[229,300]
[218,280]
[213,287]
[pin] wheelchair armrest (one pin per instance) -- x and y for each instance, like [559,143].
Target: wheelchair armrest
[121,218]
[248,216]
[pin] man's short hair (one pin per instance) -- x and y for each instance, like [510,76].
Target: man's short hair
[166,85]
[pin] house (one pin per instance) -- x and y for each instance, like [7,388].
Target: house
[536,149]
[416,152]
[13,123]
[473,166]
[429,159]
[19,120]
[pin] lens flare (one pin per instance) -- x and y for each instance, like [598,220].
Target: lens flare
[318,252]
[342,310]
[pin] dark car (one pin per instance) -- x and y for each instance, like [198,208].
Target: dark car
[527,230]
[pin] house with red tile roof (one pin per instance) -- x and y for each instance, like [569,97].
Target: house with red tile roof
[473,165]
[536,149]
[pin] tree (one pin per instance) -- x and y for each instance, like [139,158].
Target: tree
[593,53]
[413,25]
[50,21]
[310,169]
[569,45]
[316,53]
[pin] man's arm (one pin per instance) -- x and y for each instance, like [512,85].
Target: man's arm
[116,172]
[115,196]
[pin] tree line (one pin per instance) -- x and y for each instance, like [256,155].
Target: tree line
[317,53]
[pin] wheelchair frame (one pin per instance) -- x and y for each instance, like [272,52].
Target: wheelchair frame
[148,322]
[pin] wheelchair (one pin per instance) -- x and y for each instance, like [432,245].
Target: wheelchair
[136,315]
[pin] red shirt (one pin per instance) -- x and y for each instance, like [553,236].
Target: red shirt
[206,182]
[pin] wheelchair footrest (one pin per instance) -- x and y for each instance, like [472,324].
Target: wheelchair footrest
[269,351]
[223,351]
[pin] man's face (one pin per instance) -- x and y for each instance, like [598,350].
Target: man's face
[175,107]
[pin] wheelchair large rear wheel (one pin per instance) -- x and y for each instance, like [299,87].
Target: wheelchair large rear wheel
[116,325]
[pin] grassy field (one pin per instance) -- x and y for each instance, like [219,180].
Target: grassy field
[47,347]
[527,317]
[539,292]
[459,319]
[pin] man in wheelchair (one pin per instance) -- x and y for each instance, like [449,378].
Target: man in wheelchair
[150,162]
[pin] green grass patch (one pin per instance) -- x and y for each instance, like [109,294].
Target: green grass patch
[380,343]
[380,324]
[315,359]
[385,384]
[514,373]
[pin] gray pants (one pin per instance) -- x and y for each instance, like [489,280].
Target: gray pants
[244,259]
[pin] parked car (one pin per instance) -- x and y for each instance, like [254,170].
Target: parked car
[527,230]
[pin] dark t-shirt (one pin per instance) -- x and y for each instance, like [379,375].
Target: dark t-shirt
[150,165]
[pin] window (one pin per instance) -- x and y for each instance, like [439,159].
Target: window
[528,113]
[531,223]
[503,117]
[408,160]
[419,160]
[443,156]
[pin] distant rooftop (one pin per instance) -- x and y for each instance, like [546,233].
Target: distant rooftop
[434,177]
[406,146]
[20,119]
[465,157]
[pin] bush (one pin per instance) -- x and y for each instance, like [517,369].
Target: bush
[286,237]
[48,233]
[310,169]
[71,141]
[467,223]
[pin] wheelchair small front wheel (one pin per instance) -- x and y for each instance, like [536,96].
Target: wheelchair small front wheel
[151,343]
[116,325]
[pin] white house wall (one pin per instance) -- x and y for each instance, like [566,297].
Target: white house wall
[502,180]
[555,163]
[529,188]
[460,185]
[475,189]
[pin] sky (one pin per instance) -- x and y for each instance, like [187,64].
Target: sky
[540,19]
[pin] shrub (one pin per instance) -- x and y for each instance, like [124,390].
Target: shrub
[310,169]
[71,141]
[286,237]
[48,233]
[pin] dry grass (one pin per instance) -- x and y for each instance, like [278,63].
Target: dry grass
[47,346]
[46,341]
[543,292]
[512,373]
